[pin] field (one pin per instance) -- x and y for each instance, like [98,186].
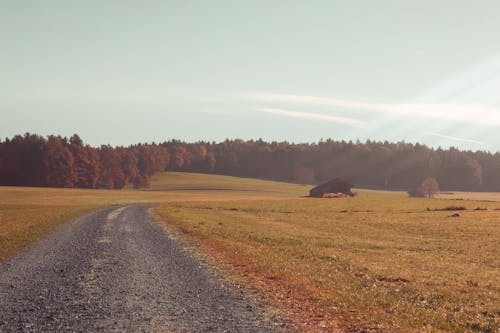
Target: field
[373,263]
[26,214]
[476,196]
[378,262]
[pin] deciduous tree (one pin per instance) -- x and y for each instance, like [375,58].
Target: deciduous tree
[429,187]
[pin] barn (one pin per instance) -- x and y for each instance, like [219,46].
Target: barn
[336,185]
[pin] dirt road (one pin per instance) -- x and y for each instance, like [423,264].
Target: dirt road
[115,270]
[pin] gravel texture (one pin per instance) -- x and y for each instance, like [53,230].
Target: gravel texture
[115,270]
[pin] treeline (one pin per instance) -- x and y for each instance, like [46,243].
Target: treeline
[371,164]
[32,160]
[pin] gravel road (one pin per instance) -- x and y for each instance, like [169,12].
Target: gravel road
[115,270]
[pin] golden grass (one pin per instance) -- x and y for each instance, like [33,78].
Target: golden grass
[195,183]
[21,225]
[484,196]
[379,261]
[376,262]
[27,213]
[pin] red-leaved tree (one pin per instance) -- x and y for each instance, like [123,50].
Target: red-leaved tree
[428,187]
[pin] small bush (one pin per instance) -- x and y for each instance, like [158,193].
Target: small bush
[415,193]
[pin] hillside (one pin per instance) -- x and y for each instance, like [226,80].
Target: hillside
[28,213]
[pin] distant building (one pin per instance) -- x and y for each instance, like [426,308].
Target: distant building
[336,185]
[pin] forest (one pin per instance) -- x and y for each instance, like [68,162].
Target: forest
[55,161]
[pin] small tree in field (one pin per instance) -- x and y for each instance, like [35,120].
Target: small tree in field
[428,187]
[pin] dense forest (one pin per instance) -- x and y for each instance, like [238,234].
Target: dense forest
[33,160]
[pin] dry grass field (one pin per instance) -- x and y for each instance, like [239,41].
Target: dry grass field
[373,263]
[26,214]
[378,262]
[476,196]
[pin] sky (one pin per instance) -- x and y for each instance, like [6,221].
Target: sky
[122,72]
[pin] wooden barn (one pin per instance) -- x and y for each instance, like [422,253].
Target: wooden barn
[334,186]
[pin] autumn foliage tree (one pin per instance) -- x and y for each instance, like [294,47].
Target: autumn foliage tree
[58,163]
[427,188]
[86,163]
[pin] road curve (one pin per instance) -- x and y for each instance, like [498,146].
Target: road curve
[115,270]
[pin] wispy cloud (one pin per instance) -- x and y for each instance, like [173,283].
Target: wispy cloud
[315,100]
[454,138]
[313,116]
[477,114]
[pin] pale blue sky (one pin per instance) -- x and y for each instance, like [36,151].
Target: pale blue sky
[121,72]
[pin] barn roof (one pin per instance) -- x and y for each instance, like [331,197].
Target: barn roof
[335,185]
